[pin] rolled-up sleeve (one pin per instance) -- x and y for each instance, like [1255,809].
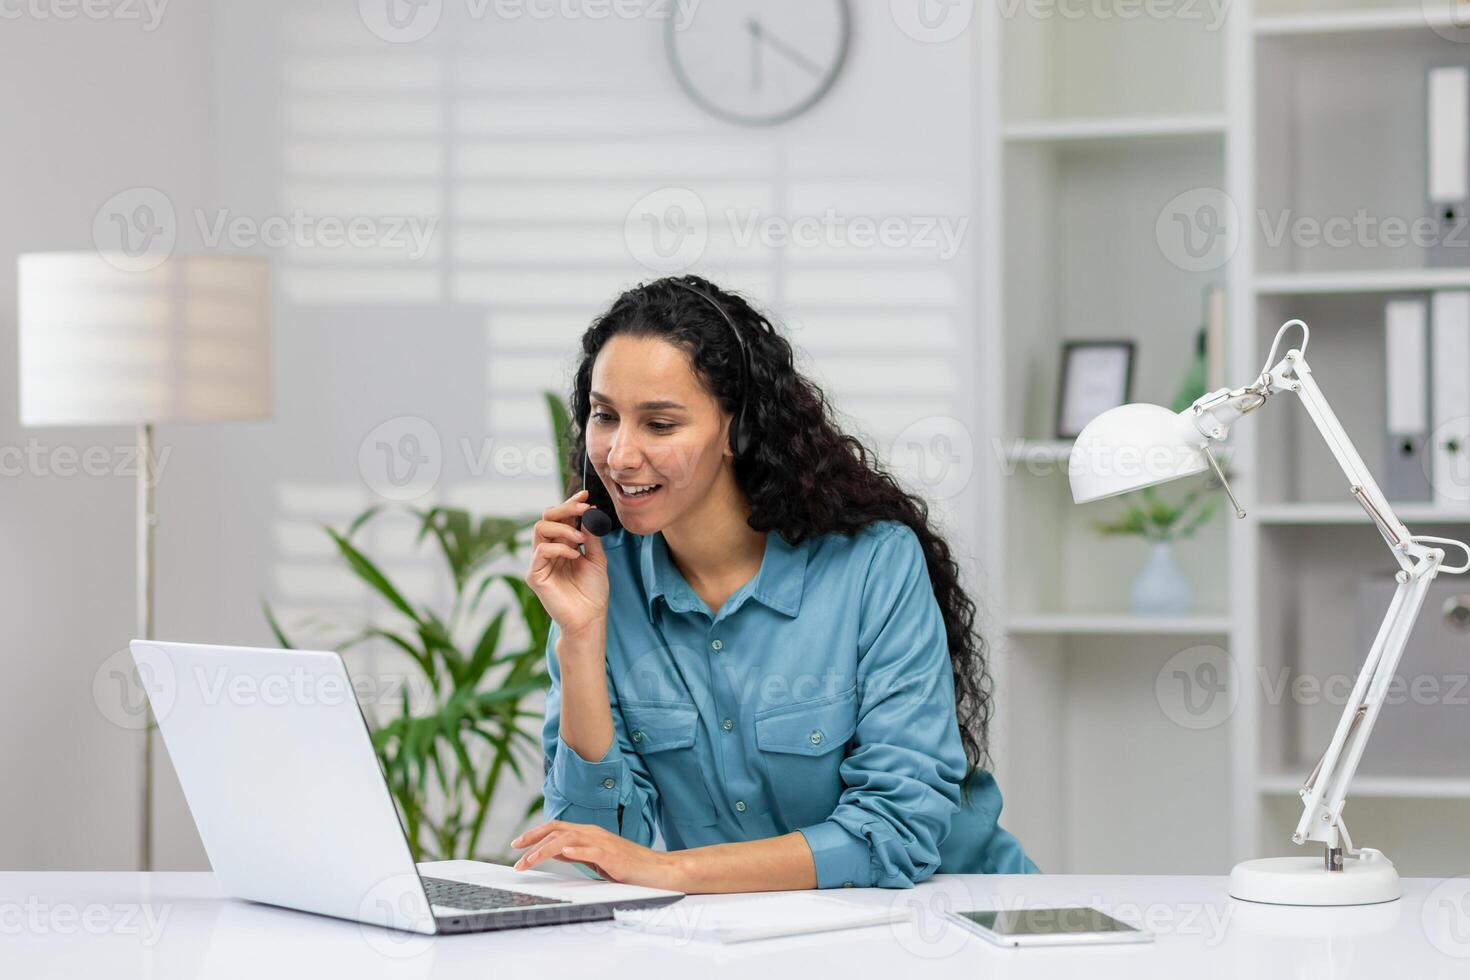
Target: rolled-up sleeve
[614,792]
[901,776]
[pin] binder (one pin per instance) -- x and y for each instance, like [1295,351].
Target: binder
[1449,467]
[1448,120]
[1406,363]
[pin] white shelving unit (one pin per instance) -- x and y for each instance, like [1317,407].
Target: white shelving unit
[1089,128]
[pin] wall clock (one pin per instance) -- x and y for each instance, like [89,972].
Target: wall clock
[759,62]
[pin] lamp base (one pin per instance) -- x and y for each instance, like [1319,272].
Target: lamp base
[1368,879]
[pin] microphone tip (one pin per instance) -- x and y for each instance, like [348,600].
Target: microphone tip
[596,522]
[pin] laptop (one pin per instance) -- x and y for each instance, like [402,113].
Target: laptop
[277,764]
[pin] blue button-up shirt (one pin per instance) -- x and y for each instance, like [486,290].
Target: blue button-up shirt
[818,699]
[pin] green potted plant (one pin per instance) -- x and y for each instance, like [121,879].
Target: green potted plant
[465,720]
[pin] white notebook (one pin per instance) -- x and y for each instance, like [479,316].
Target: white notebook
[739,918]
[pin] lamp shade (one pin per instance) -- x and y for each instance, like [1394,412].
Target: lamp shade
[1131,447]
[186,341]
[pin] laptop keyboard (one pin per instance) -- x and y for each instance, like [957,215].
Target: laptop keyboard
[481,898]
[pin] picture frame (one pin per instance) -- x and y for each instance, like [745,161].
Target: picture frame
[1096,375]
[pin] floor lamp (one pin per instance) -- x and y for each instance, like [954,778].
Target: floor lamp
[188,340]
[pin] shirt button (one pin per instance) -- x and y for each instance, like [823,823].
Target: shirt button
[816,738]
[717,645]
[637,736]
[740,806]
[727,724]
[609,783]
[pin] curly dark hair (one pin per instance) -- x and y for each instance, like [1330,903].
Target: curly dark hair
[802,475]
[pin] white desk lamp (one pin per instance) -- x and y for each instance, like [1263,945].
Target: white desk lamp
[188,340]
[1136,446]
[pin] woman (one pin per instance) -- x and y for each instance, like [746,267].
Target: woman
[770,658]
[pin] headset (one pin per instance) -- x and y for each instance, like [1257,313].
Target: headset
[598,521]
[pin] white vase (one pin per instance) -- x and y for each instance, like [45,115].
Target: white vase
[1161,588]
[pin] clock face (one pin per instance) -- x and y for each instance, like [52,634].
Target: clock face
[759,62]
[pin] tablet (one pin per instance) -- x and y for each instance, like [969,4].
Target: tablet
[1071,926]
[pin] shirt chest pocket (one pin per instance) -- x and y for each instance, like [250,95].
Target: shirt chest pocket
[665,734]
[801,746]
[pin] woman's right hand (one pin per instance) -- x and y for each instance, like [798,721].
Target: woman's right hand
[572,586]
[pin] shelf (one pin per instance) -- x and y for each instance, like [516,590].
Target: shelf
[1349,21]
[1350,513]
[1122,129]
[1416,787]
[1117,624]
[1407,280]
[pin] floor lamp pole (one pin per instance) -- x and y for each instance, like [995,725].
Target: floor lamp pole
[146,519]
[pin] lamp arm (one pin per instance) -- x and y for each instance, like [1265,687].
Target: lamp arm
[1325,791]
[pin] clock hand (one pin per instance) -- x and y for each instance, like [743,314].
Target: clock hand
[759,33]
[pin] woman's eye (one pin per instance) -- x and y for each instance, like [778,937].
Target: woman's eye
[662,426]
[600,416]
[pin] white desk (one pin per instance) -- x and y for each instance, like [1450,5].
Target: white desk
[172,925]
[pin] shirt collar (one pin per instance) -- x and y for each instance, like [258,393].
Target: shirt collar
[778,584]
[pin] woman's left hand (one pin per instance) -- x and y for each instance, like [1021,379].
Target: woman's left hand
[609,855]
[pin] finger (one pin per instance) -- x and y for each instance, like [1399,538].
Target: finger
[556,531]
[537,832]
[567,511]
[547,849]
[548,550]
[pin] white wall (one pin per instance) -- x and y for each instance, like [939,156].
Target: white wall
[527,142]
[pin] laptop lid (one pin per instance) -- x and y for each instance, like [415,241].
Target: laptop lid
[277,765]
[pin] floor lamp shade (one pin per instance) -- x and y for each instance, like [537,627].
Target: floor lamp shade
[187,341]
